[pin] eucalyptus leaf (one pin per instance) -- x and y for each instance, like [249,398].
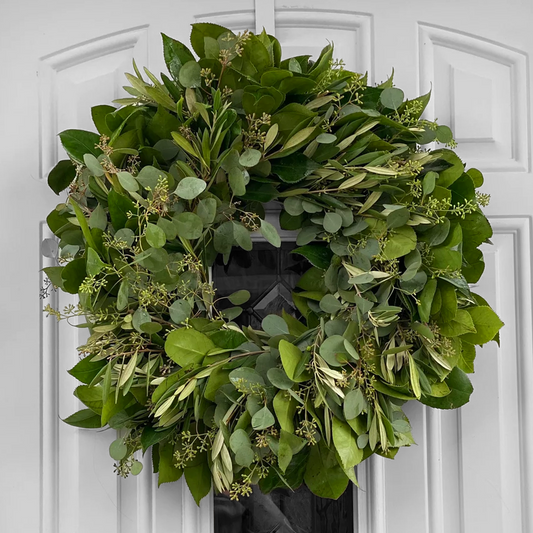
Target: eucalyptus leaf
[190,187]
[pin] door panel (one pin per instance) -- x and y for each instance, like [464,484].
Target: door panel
[472,469]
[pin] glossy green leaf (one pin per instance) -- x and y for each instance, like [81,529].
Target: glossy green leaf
[345,442]
[187,346]
[486,323]
[293,168]
[77,143]
[460,387]
[198,479]
[85,370]
[61,176]
[318,255]
[400,242]
[290,357]
[324,476]
[86,418]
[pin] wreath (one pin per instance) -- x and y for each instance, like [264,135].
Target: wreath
[178,176]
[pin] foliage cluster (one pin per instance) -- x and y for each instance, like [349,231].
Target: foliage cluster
[179,175]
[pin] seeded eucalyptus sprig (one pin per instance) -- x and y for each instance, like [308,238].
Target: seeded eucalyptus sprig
[179,175]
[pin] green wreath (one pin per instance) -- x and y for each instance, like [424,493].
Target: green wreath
[178,176]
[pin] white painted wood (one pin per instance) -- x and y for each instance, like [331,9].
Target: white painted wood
[472,469]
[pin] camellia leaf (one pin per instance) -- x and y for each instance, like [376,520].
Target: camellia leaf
[176,55]
[98,114]
[426,299]
[324,476]
[466,359]
[61,176]
[187,346]
[85,370]
[77,143]
[345,443]
[290,357]
[293,168]
[73,274]
[113,406]
[486,323]
[119,207]
[86,418]
[91,397]
[198,479]
[168,471]
[318,255]
[460,387]
[285,408]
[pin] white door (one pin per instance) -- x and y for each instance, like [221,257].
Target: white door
[472,470]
